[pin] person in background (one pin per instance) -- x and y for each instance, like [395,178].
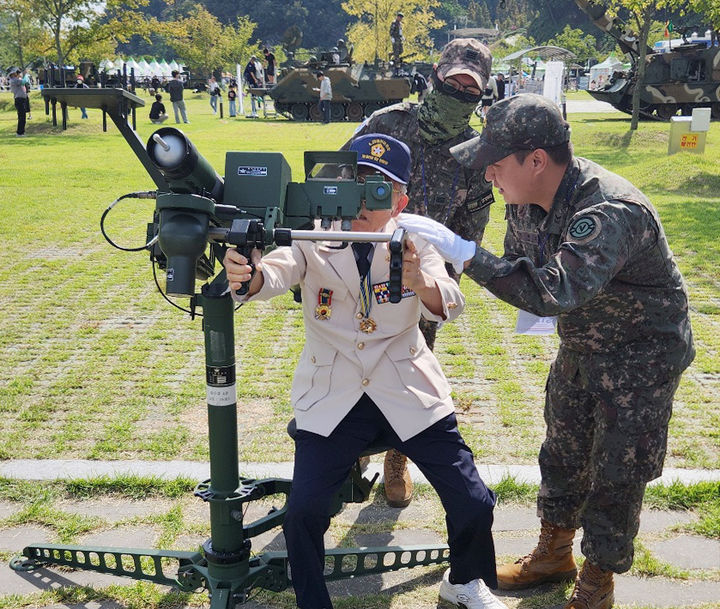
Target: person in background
[81,84]
[397,39]
[325,95]
[232,101]
[214,91]
[27,81]
[585,252]
[251,82]
[17,88]
[439,186]
[419,86]
[157,111]
[270,69]
[500,86]
[350,388]
[176,90]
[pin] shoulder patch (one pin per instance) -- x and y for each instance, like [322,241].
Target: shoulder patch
[584,229]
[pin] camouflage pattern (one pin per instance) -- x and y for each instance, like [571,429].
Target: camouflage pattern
[465,56]
[396,34]
[521,122]
[600,261]
[357,91]
[457,197]
[600,449]
[687,77]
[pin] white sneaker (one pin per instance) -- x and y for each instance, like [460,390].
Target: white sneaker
[473,595]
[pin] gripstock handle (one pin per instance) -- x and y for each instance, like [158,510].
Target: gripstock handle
[246,235]
[245,286]
[396,247]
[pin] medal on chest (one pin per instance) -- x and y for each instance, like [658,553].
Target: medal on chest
[323,310]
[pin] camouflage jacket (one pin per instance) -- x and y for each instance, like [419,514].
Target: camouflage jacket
[439,186]
[600,261]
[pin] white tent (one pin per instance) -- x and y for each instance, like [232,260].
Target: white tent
[106,65]
[174,65]
[605,70]
[144,69]
[155,68]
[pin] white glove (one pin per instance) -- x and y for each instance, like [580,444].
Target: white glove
[453,248]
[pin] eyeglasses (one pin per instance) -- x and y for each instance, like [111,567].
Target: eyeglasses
[454,88]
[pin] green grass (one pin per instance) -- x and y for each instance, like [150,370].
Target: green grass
[97,366]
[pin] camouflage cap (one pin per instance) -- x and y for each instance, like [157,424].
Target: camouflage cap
[522,122]
[465,56]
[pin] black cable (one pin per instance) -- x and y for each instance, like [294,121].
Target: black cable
[149,194]
[177,306]
[164,295]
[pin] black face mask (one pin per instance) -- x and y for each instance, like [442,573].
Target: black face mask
[448,89]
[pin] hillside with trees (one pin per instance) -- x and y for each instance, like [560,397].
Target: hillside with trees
[221,32]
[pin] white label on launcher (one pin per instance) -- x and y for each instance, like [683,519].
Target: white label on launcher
[222,396]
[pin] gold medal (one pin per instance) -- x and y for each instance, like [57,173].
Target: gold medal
[367,325]
[323,312]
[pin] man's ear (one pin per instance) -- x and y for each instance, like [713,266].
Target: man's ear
[403,200]
[539,159]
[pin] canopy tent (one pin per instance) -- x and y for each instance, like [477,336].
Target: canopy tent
[601,72]
[143,68]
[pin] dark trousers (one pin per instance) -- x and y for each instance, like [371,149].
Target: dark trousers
[323,464]
[325,108]
[21,107]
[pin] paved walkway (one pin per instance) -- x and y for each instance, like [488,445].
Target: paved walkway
[54,469]
[590,105]
[126,523]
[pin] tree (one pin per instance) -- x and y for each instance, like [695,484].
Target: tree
[710,10]
[370,34]
[206,44]
[575,40]
[22,37]
[74,24]
[479,14]
[641,13]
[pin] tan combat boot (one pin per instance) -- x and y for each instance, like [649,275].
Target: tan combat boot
[398,484]
[594,589]
[551,561]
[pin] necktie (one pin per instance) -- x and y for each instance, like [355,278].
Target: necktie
[362,250]
[361,254]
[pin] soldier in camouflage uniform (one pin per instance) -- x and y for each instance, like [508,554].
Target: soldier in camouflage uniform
[585,245]
[439,186]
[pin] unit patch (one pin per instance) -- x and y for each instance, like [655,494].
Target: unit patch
[584,229]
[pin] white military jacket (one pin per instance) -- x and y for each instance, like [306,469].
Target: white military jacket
[340,362]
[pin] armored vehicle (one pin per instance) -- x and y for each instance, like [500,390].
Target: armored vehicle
[685,77]
[358,90]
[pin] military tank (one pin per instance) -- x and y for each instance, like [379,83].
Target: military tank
[358,90]
[686,77]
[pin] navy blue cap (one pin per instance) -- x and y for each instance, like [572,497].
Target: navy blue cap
[385,153]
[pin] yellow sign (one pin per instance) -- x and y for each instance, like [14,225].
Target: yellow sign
[689,140]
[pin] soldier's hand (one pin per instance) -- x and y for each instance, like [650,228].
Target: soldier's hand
[451,247]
